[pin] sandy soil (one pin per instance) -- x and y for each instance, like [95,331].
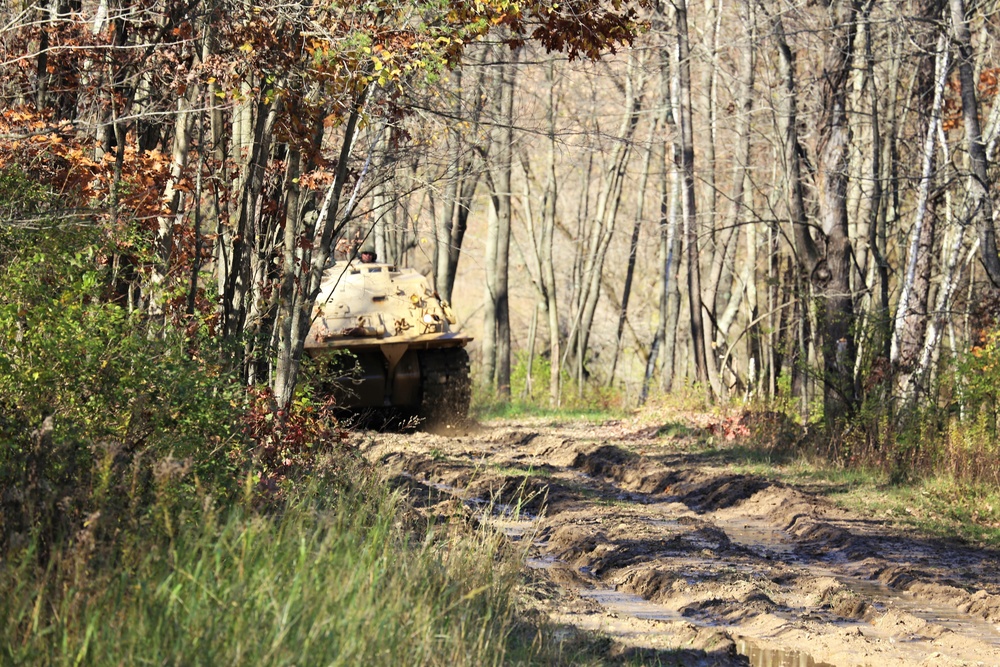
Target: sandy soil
[636,535]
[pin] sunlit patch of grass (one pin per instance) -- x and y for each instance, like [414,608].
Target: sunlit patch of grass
[946,502]
[675,429]
[938,506]
[746,458]
[683,399]
[485,409]
[800,469]
[606,501]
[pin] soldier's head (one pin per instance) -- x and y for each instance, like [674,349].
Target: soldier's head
[367,253]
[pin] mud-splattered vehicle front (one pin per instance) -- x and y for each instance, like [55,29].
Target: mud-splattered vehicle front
[383,338]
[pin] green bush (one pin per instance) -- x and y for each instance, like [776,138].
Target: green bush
[100,408]
[154,510]
[979,383]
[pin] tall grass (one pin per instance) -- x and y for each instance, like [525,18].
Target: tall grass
[322,582]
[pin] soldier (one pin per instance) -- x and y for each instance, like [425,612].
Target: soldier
[367,254]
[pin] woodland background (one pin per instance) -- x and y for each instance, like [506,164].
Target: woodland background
[784,206]
[782,203]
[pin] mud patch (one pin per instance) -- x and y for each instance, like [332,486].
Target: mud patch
[520,493]
[666,555]
[511,438]
[762,656]
[625,469]
[723,491]
[731,610]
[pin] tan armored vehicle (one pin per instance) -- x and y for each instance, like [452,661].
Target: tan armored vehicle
[404,353]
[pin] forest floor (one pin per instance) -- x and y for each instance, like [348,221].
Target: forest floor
[655,542]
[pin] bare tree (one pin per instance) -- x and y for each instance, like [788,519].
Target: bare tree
[605,220]
[496,346]
[689,200]
[911,313]
[463,171]
[980,209]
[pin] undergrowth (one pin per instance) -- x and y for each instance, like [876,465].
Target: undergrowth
[931,462]
[333,578]
[530,396]
[933,465]
[489,407]
[934,502]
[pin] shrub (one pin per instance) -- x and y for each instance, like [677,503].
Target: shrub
[979,387]
[101,408]
[285,443]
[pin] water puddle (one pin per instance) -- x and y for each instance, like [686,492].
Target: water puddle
[634,606]
[761,539]
[541,563]
[764,541]
[514,526]
[775,657]
[447,489]
[688,533]
[629,604]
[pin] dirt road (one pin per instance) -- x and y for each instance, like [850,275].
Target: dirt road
[637,534]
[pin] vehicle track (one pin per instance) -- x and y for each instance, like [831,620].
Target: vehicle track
[446,388]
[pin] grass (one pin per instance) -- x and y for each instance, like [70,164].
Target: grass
[936,503]
[343,573]
[487,409]
[336,582]
[803,470]
[593,404]
[947,488]
[937,506]
[513,471]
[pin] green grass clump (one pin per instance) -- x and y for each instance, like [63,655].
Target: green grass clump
[943,483]
[494,408]
[331,582]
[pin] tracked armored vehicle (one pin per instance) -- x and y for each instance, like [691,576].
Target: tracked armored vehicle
[404,351]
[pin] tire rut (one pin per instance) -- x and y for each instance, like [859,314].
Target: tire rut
[614,513]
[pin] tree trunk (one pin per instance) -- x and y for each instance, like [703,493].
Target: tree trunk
[877,209]
[832,280]
[708,93]
[981,210]
[498,242]
[255,121]
[633,246]
[312,234]
[547,264]
[911,312]
[829,273]
[605,219]
[462,175]
[690,207]
[724,258]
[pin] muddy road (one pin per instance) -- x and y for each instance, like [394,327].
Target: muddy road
[635,533]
